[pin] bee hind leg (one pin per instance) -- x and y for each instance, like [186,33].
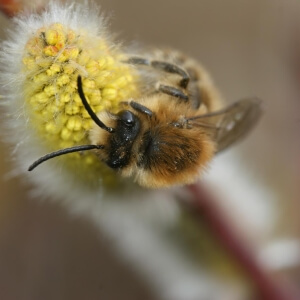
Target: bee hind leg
[164,66]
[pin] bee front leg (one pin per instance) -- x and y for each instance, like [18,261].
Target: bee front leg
[141,108]
[138,107]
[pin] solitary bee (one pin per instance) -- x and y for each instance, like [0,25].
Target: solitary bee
[168,136]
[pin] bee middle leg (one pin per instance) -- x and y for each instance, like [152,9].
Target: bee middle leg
[164,66]
[169,90]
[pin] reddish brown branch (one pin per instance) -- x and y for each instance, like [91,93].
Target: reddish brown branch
[204,205]
[13,7]
[10,7]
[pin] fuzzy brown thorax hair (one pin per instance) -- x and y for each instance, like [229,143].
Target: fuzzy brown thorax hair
[165,151]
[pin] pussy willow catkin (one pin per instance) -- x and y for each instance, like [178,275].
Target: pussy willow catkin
[49,52]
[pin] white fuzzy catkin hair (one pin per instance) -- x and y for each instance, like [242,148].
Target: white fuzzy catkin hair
[26,145]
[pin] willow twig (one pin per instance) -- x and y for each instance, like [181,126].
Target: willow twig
[204,206]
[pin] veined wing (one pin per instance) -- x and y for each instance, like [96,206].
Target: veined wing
[231,123]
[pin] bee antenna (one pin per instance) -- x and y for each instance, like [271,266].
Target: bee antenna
[89,109]
[62,152]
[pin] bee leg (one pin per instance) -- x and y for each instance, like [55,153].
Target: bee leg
[173,92]
[164,66]
[138,107]
[171,68]
[141,108]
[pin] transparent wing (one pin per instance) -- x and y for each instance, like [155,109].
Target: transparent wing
[231,123]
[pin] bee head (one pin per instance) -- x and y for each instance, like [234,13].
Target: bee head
[127,121]
[118,144]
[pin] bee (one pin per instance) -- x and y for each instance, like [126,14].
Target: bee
[168,136]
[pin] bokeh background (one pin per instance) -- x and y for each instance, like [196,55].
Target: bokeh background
[251,48]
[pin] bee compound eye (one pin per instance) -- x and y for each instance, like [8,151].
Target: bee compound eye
[127,117]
